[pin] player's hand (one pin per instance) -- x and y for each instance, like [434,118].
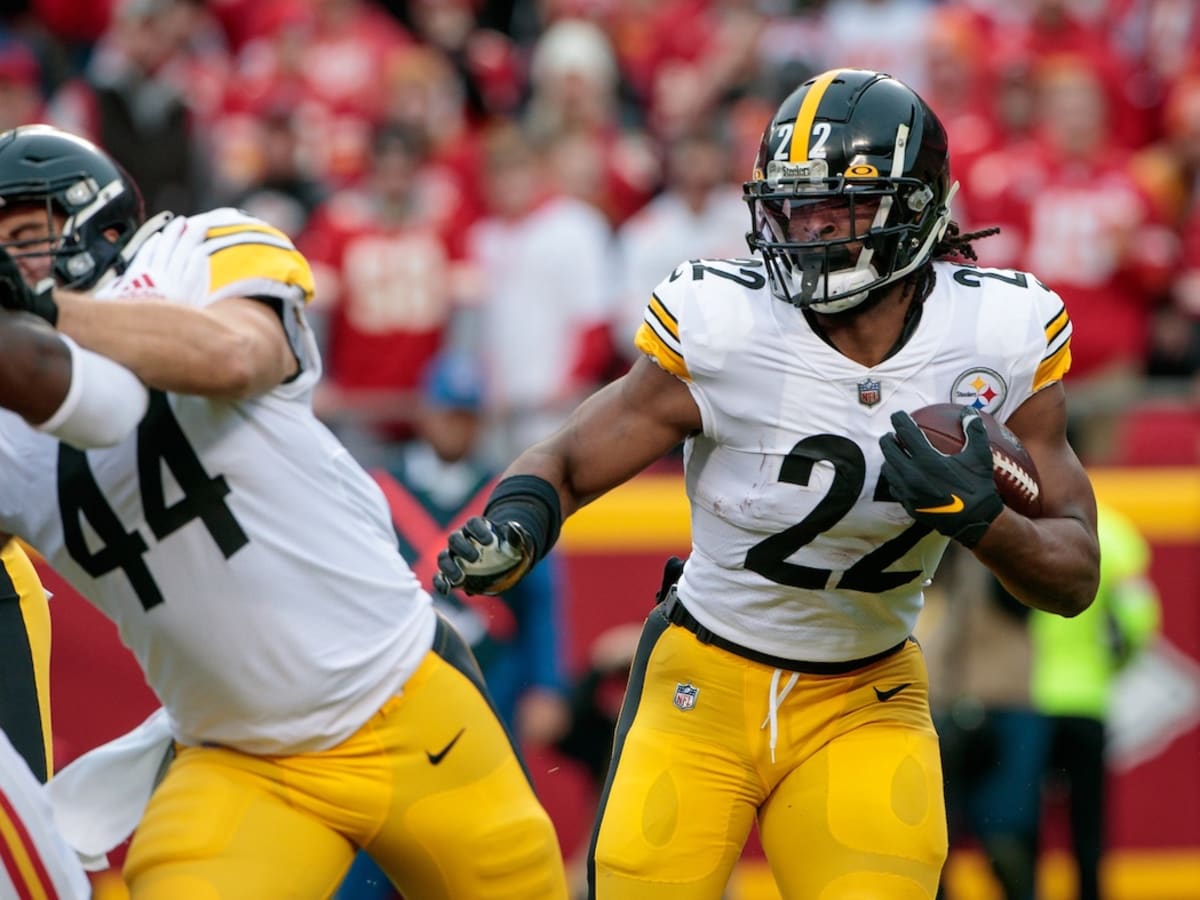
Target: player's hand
[17,295]
[167,263]
[954,493]
[484,557]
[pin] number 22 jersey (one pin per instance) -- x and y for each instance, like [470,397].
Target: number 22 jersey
[248,562]
[798,549]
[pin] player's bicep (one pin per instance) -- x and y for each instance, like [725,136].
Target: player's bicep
[1041,424]
[263,338]
[615,433]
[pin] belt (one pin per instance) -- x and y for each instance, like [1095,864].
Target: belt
[676,613]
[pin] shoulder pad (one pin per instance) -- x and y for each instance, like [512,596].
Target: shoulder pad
[700,305]
[244,251]
[1022,296]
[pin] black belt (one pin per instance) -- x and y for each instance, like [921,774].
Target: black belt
[676,613]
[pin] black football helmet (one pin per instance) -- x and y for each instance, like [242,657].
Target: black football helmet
[863,146]
[69,175]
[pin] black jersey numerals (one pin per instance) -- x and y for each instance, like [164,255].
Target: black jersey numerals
[973,277]
[769,557]
[739,271]
[160,443]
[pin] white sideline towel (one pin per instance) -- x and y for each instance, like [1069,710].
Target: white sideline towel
[99,798]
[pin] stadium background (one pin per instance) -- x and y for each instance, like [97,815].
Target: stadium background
[674,67]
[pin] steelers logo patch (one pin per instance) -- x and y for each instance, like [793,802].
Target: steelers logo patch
[981,389]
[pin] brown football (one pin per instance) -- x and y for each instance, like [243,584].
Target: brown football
[1012,466]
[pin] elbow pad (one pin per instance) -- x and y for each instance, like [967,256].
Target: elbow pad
[104,403]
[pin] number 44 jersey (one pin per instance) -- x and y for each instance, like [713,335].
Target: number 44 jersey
[248,562]
[798,549]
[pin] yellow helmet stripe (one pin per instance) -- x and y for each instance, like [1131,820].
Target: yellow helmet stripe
[802,133]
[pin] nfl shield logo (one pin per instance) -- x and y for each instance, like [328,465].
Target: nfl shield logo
[868,392]
[685,696]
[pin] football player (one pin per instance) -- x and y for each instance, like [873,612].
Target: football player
[25,659]
[317,701]
[777,679]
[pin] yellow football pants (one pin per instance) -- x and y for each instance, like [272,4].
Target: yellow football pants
[850,808]
[25,660]
[431,787]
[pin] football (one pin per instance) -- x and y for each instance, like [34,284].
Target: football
[1012,467]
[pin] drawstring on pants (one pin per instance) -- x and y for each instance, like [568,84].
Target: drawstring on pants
[775,700]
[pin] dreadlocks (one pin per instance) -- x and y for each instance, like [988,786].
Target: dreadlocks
[953,244]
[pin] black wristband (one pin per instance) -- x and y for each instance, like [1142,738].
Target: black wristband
[532,503]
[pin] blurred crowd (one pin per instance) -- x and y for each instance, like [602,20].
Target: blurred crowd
[513,178]
[494,188]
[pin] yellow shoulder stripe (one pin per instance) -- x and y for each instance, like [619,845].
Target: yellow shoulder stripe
[240,262]
[669,323]
[1057,324]
[653,346]
[221,231]
[1053,367]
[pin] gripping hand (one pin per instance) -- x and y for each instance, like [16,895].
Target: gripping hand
[15,294]
[954,493]
[484,557]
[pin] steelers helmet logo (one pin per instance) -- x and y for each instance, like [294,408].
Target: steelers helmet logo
[980,388]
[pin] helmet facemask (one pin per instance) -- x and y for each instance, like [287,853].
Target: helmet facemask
[850,192]
[92,208]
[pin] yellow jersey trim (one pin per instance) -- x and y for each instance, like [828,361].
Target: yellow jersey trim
[653,346]
[669,323]
[221,231]
[1053,367]
[1057,324]
[252,260]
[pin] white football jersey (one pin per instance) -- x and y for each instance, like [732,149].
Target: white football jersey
[798,549]
[248,562]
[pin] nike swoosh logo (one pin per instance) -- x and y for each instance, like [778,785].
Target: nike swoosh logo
[955,505]
[885,696]
[435,758]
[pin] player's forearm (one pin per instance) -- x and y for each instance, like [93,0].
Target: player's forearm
[1048,564]
[168,346]
[35,367]
[79,397]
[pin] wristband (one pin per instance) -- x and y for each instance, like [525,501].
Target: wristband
[104,402]
[531,502]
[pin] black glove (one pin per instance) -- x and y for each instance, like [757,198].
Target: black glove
[484,557]
[15,294]
[951,493]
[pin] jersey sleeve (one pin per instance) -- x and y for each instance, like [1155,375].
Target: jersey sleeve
[249,258]
[1044,353]
[242,256]
[658,335]
[1056,358]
